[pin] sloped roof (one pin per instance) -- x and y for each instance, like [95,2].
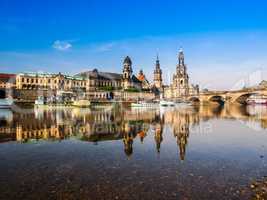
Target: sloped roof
[50,75]
[101,75]
[127,60]
[7,77]
[135,79]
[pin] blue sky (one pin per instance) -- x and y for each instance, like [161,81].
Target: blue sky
[224,41]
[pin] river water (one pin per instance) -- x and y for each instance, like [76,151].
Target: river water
[206,152]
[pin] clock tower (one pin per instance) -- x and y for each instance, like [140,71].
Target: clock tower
[158,75]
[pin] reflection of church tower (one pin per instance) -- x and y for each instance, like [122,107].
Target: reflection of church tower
[127,73]
[181,79]
[158,75]
[182,142]
[181,131]
[158,136]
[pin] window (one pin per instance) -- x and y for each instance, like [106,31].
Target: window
[22,80]
[49,80]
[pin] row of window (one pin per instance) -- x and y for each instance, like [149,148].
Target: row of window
[28,80]
[109,83]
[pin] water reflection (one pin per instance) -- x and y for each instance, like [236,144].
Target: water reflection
[123,124]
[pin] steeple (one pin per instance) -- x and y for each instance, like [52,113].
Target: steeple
[181,56]
[157,74]
[181,67]
[157,63]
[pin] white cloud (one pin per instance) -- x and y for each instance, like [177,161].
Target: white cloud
[105,47]
[61,45]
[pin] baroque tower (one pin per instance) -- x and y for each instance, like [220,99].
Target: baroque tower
[181,79]
[158,75]
[127,73]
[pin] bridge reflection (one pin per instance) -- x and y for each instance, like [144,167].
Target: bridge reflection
[121,124]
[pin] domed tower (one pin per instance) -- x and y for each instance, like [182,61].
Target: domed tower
[127,72]
[158,75]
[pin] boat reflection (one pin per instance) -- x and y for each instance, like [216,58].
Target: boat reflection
[121,124]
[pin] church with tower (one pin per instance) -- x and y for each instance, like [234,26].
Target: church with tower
[158,76]
[180,87]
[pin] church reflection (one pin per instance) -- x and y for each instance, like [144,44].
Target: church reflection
[119,124]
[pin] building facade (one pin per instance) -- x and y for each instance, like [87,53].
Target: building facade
[46,81]
[7,81]
[180,87]
[106,85]
[144,82]
[91,84]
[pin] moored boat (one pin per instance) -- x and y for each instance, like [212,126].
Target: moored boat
[166,103]
[257,99]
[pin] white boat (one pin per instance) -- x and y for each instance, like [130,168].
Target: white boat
[144,104]
[257,99]
[166,103]
[6,103]
[39,101]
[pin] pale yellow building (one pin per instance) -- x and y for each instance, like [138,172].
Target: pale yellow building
[180,87]
[34,81]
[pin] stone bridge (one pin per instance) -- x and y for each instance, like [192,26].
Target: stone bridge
[237,96]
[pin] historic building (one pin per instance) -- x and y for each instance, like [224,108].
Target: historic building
[128,79]
[90,84]
[7,84]
[158,76]
[144,82]
[7,81]
[46,81]
[106,85]
[88,81]
[180,87]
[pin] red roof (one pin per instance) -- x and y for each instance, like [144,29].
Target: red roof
[7,75]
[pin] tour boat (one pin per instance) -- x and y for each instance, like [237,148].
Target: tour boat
[257,99]
[166,103]
[6,103]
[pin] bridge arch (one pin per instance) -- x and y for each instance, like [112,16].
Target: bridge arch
[194,100]
[217,99]
[243,97]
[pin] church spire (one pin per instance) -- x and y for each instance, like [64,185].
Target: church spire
[158,74]
[181,56]
[157,63]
